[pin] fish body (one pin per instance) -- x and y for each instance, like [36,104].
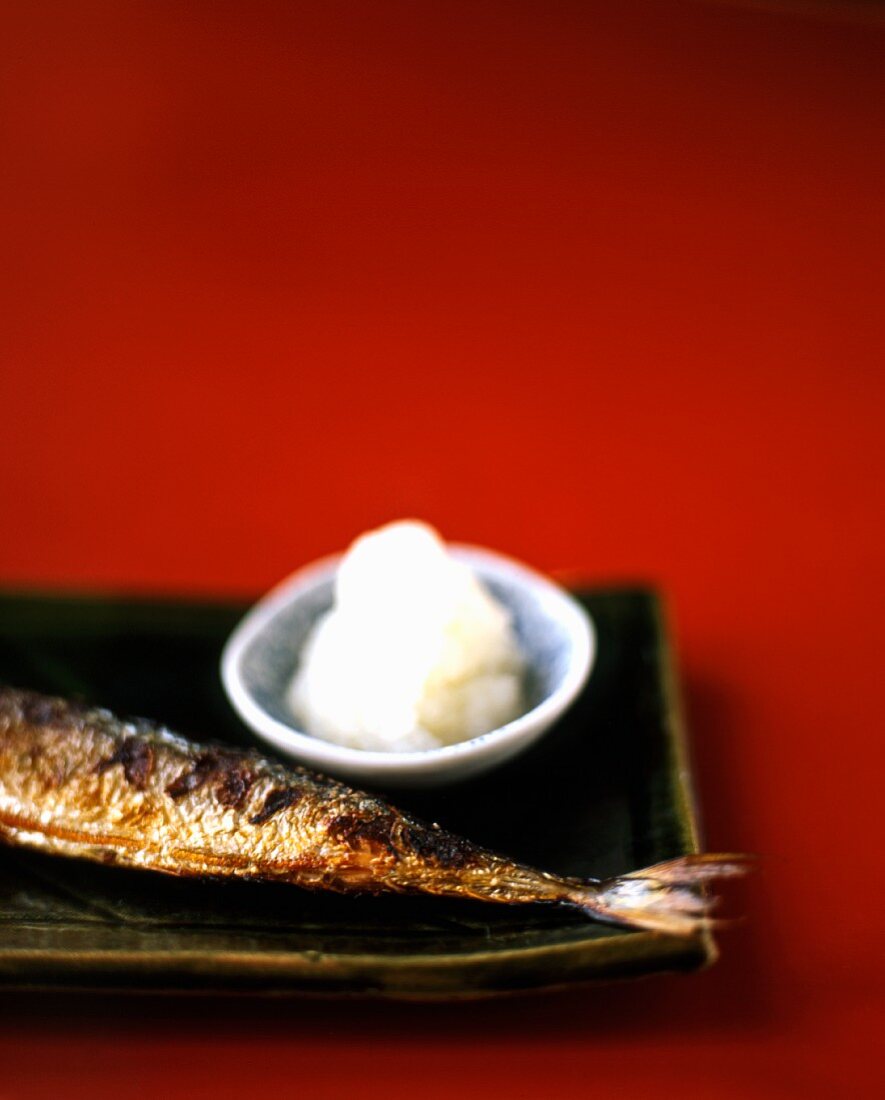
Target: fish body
[77,781]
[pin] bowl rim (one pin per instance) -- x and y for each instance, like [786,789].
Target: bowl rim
[374,762]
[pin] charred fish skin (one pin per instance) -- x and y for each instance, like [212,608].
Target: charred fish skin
[77,781]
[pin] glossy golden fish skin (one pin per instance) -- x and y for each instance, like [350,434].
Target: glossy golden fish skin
[77,781]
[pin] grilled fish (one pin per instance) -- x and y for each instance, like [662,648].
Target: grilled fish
[76,781]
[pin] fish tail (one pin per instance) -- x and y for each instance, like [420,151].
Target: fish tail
[667,897]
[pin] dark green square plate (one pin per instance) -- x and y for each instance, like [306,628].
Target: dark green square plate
[605,792]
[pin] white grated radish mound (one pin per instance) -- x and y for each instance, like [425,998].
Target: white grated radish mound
[414,654]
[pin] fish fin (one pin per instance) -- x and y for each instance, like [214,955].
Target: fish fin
[667,897]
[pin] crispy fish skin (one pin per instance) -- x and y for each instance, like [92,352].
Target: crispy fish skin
[77,781]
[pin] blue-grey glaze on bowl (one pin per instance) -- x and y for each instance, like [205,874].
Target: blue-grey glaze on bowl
[553,632]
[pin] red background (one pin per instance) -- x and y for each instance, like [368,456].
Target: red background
[596,284]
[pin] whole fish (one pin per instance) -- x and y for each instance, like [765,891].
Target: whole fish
[76,781]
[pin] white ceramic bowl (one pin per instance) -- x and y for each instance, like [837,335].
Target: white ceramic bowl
[260,657]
